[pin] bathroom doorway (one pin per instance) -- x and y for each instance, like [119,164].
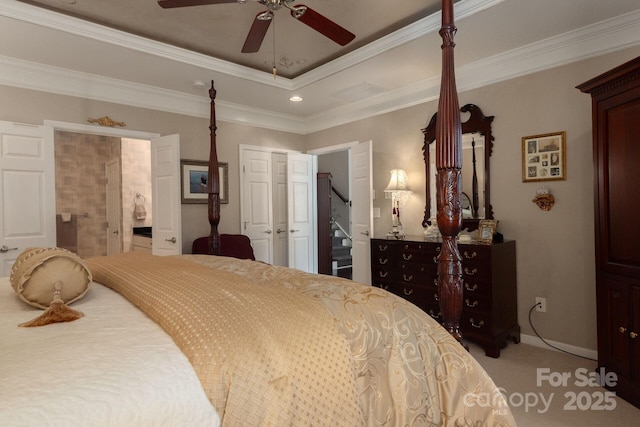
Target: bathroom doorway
[81,190]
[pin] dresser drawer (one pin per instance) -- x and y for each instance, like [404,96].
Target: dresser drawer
[475,323]
[418,295]
[380,272]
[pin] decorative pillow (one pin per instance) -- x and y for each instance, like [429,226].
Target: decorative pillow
[47,278]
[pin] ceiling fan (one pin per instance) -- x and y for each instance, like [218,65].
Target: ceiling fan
[261,23]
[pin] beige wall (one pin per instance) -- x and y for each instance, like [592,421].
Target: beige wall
[26,106]
[555,249]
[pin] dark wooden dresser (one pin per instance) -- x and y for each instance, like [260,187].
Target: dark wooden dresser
[615,99]
[408,268]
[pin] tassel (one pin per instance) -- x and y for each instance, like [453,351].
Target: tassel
[57,312]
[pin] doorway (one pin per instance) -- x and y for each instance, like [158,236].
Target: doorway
[81,151]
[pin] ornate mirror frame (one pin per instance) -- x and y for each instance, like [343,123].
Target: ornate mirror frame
[477,123]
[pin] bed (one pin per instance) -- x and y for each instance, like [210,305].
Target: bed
[208,340]
[195,339]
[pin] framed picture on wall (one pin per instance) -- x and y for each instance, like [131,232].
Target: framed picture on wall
[194,176]
[544,157]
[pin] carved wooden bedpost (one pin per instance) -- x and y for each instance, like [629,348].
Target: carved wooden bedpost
[449,181]
[213,183]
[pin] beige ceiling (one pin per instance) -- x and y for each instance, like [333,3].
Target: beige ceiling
[394,62]
[219,30]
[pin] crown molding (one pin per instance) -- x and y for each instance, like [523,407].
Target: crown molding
[50,19]
[607,36]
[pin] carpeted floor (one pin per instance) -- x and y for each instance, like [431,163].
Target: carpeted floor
[550,388]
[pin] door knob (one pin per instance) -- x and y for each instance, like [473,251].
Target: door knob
[366,233]
[281,231]
[172,240]
[293,231]
[5,248]
[268,231]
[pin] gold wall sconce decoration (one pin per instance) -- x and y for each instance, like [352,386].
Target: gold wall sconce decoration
[107,121]
[544,199]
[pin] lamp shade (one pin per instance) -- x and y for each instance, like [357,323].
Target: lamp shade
[398,181]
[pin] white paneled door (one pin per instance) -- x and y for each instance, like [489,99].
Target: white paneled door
[114,206]
[257,202]
[280,214]
[166,202]
[27,183]
[301,211]
[362,210]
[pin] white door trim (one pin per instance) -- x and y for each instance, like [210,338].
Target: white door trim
[332,148]
[99,130]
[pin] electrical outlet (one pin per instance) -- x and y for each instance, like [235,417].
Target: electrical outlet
[541,304]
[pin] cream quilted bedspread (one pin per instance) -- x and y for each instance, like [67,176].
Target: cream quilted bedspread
[273,346]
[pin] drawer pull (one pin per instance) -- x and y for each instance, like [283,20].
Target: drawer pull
[383,286]
[471,304]
[471,288]
[435,281]
[622,329]
[383,274]
[472,256]
[407,292]
[407,279]
[434,315]
[407,257]
[633,335]
[383,247]
[470,273]
[435,259]
[476,325]
[436,297]
[383,261]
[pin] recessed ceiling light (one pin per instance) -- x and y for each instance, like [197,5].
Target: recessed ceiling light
[295,98]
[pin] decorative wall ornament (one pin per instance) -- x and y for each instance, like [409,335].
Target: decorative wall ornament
[544,199]
[107,121]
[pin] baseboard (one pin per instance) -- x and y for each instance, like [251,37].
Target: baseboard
[537,342]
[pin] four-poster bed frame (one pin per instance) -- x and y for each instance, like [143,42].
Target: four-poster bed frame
[448,181]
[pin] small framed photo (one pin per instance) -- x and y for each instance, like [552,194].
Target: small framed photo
[194,177]
[486,230]
[544,157]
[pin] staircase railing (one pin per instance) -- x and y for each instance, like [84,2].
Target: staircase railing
[340,196]
[341,228]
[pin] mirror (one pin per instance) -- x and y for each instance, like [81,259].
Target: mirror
[477,144]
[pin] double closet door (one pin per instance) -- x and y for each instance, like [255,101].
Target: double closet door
[277,210]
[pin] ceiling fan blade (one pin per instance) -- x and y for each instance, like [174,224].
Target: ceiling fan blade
[167,4]
[257,32]
[322,24]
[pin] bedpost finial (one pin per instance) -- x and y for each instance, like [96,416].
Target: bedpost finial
[212,91]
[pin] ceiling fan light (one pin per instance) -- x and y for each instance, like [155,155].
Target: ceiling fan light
[265,16]
[298,11]
[295,98]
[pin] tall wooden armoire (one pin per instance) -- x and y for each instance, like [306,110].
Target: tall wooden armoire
[616,155]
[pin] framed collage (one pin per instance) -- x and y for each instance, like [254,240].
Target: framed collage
[544,157]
